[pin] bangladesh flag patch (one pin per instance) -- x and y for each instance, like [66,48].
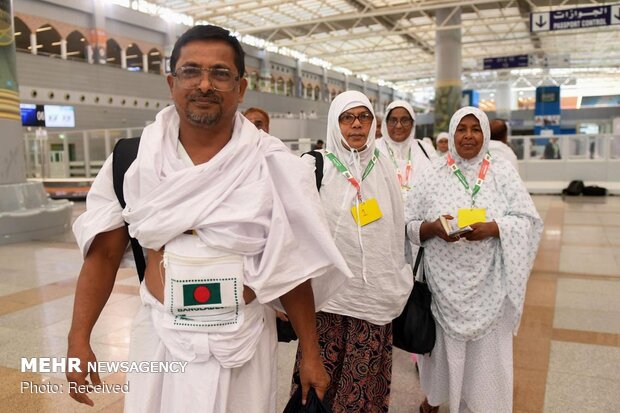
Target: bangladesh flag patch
[201,294]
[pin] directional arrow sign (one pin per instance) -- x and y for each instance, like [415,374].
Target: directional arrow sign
[539,22]
[615,14]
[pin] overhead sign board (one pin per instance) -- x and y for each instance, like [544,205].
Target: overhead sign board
[525,60]
[506,62]
[577,18]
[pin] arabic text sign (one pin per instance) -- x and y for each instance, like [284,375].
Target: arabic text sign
[579,18]
[506,62]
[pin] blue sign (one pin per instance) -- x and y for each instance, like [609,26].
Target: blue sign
[547,113]
[579,18]
[470,97]
[506,62]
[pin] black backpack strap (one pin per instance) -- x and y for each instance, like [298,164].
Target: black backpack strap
[418,259]
[318,170]
[423,150]
[125,152]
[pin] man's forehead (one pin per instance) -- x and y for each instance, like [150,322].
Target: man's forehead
[210,49]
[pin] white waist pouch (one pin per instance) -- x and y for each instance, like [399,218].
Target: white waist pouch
[203,289]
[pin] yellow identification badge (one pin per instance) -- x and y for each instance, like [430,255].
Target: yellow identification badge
[468,216]
[369,212]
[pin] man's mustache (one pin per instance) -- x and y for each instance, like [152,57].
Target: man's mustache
[209,96]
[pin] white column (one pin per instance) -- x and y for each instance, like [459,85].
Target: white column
[145,62]
[33,43]
[63,49]
[503,99]
[89,54]
[123,59]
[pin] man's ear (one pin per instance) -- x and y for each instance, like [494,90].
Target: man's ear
[170,80]
[243,84]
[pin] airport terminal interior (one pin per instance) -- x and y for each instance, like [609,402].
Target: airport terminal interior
[76,76]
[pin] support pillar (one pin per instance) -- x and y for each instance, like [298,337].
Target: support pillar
[25,211]
[264,73]
[298,80]
[33,43]
[98,37]
[123,59]
[145,62]
[448,67]
[503,97]
[63,49]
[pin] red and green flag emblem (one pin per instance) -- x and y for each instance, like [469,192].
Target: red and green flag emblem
[201,294]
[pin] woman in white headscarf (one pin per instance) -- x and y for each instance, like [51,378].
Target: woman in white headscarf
[355,330]
[442,143]
[478,280]
[409,156]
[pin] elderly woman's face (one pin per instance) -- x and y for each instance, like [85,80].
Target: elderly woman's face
[355,124]
[399,124]
[468,137]
[442,146]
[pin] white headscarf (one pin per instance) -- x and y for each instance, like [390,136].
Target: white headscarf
[400,149]
[471,281]
[374,252]
[486,132]
[442,136]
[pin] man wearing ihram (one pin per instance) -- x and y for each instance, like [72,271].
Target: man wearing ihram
[231,222]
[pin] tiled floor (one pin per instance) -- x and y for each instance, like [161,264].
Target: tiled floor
[567,353]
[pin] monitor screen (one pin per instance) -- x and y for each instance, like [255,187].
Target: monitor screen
[32,115]
[59,116]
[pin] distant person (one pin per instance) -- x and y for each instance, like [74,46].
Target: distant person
[552,149]
[319,144]
[442,143]
[409,156]
[312,115]
[258,117]
[498,146]
[378,133]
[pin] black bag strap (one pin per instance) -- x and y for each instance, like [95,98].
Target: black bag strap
[423,150]
[125,152]
[318,171]
[418,260]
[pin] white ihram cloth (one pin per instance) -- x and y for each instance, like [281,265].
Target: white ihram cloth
[419,161]
[478,287]
[500,150]
[212,379]
[374,252]
[253,199]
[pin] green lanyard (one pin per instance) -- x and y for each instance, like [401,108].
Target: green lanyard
[344,171]
[482,173]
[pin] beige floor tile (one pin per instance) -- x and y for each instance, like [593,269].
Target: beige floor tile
[584,235]
[598,264]
[589,320]
[575,392]
[581,218]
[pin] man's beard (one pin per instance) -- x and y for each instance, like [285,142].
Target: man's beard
[206,119]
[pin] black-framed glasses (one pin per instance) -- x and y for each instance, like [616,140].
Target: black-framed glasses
[220,78]
[348,118]
[406,122]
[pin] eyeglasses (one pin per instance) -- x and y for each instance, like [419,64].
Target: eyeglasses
[220,78]
[406,122]
[348,118]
